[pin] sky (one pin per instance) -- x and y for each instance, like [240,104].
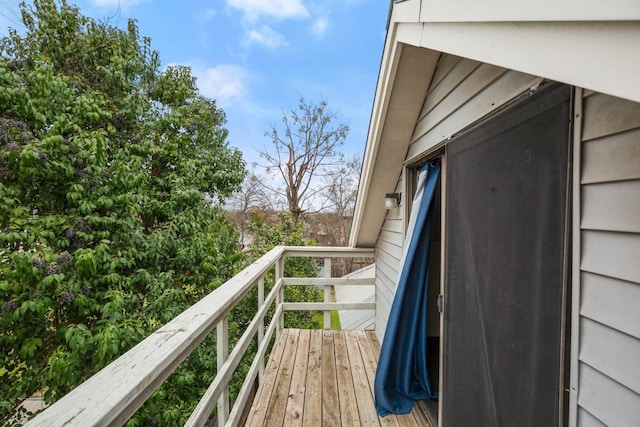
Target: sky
[257,57]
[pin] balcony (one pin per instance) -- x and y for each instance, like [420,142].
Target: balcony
[313,377]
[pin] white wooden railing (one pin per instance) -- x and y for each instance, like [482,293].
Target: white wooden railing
[115,393]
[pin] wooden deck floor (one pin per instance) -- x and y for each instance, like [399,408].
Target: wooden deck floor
[317,377]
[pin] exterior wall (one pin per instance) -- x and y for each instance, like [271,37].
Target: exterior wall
[461,93]
[605,368]
[388,254]
[357,319]
[605,375]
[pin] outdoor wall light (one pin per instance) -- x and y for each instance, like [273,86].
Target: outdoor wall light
[392,200]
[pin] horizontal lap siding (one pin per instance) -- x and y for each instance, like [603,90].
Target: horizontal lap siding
[621,149]
[611,352]
[607,400]
[464,92]
[392,238]
[461,93]
[388,254]
[471,92]
[587,420]
[385,288]
[612,206]
[612,302]
[357,319]
[609,329]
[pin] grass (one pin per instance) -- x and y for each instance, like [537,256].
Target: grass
[335,319]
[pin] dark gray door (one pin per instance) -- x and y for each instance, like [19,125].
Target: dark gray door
[506,233]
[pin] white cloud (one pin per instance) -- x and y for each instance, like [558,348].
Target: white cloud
[207,15]
[226,83]
[267,37]
[320,26]
[253,9]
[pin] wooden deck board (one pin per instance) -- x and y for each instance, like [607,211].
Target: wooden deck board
[295,403]
[346,392]
[322,377]
[370,357]
[400,419]
[280,394]
[366,407]
[263,396]
[313,393]
[330,402]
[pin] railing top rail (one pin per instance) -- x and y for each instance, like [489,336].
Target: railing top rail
[117,391]
[112,395]
[328,251]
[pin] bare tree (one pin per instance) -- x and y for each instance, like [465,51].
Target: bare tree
[342,185]
[251,197]
[341,190]
[303,150]
[341,193]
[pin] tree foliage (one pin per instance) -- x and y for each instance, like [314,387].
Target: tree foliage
[287,232]
[303,148]
[251,198]
[109,170]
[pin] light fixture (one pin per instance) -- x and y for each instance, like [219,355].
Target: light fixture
[392,200]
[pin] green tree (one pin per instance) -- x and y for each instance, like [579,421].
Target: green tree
[110,173]
[285,231]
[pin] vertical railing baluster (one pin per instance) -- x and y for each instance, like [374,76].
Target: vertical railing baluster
[222,343]
[327,293]
[260,325]
[156,357]
[280,299]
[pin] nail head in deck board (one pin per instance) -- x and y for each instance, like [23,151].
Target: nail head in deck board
[348,402]
[313,392]
[280,395]
[330,403]
[295,404]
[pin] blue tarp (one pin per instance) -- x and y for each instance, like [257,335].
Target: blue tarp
[402,376]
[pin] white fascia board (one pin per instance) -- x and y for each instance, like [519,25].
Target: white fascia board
[547,40]
[522,11]
[388,67]
[406,11]
[601,56]
[390,137]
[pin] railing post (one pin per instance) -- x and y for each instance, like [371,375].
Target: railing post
[327,293]
[280,299]
[156,357]
[222,353]
[260,325]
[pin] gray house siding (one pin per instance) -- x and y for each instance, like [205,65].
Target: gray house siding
[357,319]
[608,292]
[388,254]
[461,93]
[606,317]
[467,93]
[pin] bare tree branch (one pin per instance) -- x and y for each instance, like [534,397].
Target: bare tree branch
[303,148]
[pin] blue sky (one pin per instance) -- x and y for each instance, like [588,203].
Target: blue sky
[256,57]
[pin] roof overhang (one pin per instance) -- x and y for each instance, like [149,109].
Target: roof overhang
[583,43]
